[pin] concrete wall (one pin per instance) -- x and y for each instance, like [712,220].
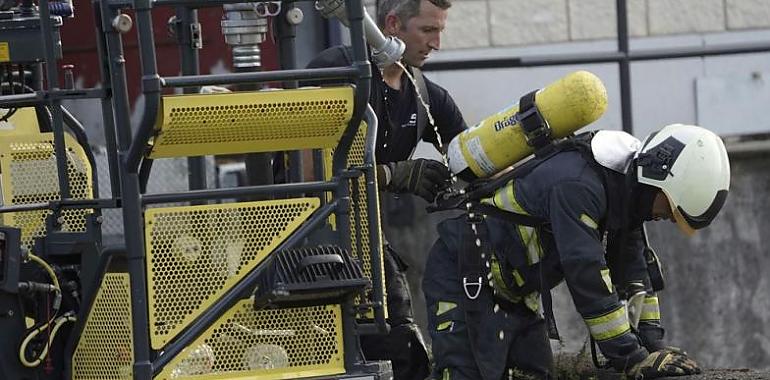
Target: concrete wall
[724,93]
[496,23]
[718,302]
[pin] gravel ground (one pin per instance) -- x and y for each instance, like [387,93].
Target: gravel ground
[580,367]
[709,374]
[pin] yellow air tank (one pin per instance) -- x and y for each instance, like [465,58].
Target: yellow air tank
[498,141]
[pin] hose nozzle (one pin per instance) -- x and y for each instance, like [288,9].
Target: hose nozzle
[386,50]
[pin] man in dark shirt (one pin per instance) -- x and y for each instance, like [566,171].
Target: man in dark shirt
[394,98]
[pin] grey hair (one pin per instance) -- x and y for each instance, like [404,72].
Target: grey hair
[404,9]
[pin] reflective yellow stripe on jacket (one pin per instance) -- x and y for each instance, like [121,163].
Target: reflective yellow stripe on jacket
[610,325]
[650,310]
[505,200]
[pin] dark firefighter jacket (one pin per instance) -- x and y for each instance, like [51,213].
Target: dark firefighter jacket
[581,203]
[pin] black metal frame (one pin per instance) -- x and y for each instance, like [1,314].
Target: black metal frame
[130,150]
[623,56]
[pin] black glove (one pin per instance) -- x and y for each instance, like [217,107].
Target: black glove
[666,362]
[421,177]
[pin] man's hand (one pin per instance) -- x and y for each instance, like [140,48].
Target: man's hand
[666,362]
[421,177]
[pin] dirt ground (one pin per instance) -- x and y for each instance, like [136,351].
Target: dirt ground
[709,374]
[580,367]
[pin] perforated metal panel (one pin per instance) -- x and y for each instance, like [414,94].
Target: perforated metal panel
[105,349]
[29,173]
[359,221]
[275,344]
[196,253]
[245,122]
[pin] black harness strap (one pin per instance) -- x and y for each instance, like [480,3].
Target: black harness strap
[653,264]
[533,124]
[520,219]
[470,263]
[550,319]
[422,113]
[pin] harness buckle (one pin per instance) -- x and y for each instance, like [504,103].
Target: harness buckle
[533,124]
[535,127]
[466,284]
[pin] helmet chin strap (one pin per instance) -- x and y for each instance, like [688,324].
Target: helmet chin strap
[644,196]
[638,199]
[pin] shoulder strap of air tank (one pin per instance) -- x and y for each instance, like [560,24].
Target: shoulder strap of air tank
[485,188]
[520,219]
[422,113]
[653,264]
[470,261]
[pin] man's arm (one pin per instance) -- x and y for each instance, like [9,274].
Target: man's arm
[574,209]
[629,273]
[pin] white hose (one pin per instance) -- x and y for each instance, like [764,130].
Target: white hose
[48,269]
[58,323]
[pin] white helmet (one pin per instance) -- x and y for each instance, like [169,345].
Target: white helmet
[689,164]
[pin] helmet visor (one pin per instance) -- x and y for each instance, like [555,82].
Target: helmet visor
[681,222]
[689,223]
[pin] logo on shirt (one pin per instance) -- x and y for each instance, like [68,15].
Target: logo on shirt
[412,121]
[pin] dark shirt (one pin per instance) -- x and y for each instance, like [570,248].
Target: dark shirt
[397,110]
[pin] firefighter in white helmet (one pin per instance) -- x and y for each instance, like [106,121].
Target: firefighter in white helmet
[689,165]
[574,215]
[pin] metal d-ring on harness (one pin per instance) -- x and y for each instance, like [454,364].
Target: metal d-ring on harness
[478,288]
[470,262]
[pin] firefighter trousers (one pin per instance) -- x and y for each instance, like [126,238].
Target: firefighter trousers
[481,338]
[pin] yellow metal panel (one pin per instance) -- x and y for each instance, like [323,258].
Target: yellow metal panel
[244,122]
[29,175]
[5,52]
[105,349]
[359,206]
[267,344]
[196,253]
[22,122]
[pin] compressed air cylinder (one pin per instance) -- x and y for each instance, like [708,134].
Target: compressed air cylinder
[498,141]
